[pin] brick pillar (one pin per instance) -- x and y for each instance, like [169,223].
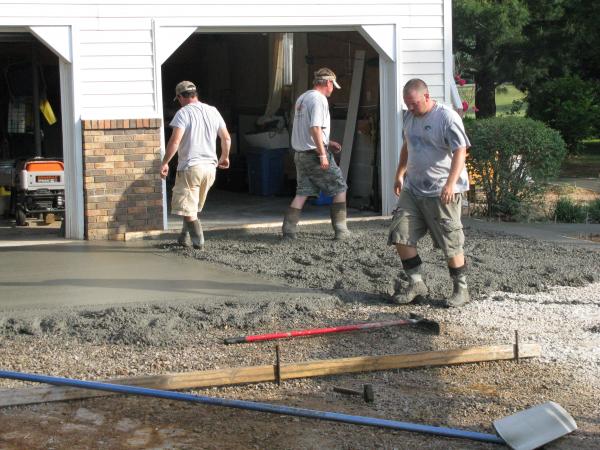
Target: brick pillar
[122,187]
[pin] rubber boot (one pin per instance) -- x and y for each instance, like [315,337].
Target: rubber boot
[184,237]
[290,223]
[338,221]
[460,294]
[416,287]
[196,234]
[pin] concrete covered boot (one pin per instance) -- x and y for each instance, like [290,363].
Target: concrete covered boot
[460,295]
[416,286]
[338,221]
[290,223]
[184,237]
[196,234]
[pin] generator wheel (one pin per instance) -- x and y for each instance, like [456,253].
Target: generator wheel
[20,217]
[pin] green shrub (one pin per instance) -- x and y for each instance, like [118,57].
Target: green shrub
[511,159]
[570,212]
[569,105]
[594,211]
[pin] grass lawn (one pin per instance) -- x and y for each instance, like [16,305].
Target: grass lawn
[583,164]
[505,95]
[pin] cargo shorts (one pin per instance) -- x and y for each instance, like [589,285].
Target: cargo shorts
[312,180]
[415,215]
[191,188]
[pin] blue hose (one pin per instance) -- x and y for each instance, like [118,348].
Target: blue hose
[255,406]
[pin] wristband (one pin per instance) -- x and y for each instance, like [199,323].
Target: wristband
[322,156]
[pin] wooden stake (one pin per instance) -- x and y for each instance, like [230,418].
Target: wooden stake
[258,374]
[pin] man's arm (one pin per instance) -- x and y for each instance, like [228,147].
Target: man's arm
[317,136]
[401,170]
[458,163]
[172,147]
[225,147]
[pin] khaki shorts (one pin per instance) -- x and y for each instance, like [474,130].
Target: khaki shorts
[311,179]
[191,187]
[415,215]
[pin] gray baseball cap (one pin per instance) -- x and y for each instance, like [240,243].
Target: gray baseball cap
[184,86]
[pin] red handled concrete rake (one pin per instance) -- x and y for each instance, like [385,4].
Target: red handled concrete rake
[417,321]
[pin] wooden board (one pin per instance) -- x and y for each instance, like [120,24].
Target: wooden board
[348,142]
[257,374]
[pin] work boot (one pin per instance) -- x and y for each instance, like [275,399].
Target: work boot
[196,234]
[290,223]
[416,287]
[184,237]
[460,295]
[338,221]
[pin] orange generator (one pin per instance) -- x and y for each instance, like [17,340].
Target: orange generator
[39,188]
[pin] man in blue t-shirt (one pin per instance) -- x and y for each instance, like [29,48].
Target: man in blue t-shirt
[430,181]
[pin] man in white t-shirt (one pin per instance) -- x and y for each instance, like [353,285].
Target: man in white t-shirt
[196,126]
[316,169]
[430,181]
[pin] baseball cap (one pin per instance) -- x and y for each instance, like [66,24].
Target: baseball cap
[327,74]
[184,86]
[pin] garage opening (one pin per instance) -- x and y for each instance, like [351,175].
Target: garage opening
[32,200]
[253,79]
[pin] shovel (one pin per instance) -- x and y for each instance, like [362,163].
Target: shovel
[535,426]
[525,430]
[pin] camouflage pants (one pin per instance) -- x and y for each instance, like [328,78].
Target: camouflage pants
[311,179]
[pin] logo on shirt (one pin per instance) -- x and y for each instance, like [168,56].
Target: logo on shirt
[427,127]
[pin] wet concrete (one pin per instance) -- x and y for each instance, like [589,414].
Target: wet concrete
[107,273]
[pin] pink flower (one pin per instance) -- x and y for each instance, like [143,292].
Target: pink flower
[461,82]
[475,108]
[457,77]
[465,105]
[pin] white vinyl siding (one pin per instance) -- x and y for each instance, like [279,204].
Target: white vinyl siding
[116,48]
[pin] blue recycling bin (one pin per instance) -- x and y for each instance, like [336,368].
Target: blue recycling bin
[265,170]
[322,200]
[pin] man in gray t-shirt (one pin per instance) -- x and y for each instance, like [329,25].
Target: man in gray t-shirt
[195,127]
[316,169]
[430,180]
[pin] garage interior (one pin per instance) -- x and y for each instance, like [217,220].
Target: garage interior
[253,80]
[30,76]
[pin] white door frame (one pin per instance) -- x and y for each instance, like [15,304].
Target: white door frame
[384,37]
[59,39]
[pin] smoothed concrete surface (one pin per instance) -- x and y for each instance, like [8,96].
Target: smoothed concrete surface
[107,273]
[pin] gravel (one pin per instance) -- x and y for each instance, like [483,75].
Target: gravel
[549,293]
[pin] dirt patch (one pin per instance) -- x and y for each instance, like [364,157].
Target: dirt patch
[513,281]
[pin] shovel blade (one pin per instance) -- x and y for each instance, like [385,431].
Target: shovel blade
[534,427]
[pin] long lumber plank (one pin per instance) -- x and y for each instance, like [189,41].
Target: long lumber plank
[257,374]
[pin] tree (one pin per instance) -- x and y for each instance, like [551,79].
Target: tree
[489,33]
[561,40]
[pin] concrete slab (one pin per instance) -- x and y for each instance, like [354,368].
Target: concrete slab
[227,210]
[108,273]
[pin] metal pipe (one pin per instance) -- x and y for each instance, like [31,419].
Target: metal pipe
[255,406]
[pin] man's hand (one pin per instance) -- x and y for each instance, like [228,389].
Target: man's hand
[335,147]
[164,170]
[447,194]
[223,163]
[324,162]
[398,186]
